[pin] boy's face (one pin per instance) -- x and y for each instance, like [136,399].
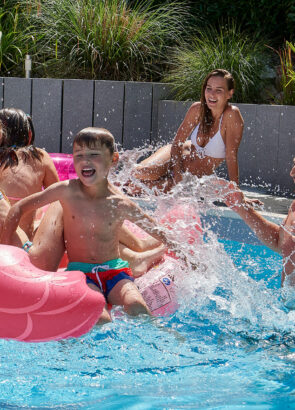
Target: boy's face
[92,165]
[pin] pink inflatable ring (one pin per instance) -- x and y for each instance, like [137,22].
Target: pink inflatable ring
[40,306]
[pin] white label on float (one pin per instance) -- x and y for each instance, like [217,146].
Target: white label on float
[157,295]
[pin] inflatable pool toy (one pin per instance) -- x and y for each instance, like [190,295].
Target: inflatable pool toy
[40,306]
[64,165]
[158,286]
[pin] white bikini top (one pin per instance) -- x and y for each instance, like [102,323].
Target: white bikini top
[214,148]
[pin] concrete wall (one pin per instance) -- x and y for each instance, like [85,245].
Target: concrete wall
[140,113]
[60,108]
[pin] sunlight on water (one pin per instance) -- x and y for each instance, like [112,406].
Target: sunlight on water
[230,343]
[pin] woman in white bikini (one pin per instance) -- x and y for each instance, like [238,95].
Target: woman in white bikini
[215,129]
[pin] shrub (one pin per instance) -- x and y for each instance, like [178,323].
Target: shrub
[107,39]
[14,37]
[227,48]
[270,19]
[286,75]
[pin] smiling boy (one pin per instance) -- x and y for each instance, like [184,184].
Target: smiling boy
[93,211]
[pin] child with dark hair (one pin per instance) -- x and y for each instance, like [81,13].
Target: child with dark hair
[24,168]
[93,215]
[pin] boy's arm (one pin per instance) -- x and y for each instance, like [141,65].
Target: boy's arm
[147,223]
[30,203]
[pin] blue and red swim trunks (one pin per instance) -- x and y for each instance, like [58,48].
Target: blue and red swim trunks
[104,275]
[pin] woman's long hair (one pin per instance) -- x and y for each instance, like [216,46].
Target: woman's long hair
[18,137]
[206,119]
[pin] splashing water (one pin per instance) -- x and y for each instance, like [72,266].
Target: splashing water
[212,277]
[230,343]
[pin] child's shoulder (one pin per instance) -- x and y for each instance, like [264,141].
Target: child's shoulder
[43,154]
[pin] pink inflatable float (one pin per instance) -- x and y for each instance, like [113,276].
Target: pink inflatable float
[39,306]
[64,165]
[158,286]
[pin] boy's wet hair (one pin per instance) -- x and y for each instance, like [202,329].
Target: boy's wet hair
[18,135]
[92,137]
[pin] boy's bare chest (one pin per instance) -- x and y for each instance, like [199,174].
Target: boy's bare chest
[92,215]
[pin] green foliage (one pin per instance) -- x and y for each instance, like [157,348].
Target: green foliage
[270,19]
[287,74]
[15,37]
[227,48]
[107,39]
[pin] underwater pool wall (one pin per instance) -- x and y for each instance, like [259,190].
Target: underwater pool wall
[144,113]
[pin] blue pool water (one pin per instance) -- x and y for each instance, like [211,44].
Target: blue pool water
[231,345]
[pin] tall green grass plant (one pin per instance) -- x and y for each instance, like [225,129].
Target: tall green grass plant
[226,47]
[14,37]
[286,74]
[107,39]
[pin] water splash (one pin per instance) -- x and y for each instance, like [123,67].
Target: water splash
[212,285]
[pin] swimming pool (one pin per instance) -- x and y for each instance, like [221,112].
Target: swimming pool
[231,344]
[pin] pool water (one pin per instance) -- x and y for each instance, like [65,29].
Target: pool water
[231,345]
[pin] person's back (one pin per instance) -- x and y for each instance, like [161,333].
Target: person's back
[24,169]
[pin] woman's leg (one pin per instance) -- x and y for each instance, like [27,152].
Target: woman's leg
[154,167]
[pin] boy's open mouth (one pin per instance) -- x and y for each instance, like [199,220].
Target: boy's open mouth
[88,172]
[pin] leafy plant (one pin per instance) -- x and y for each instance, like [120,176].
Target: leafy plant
[287,74]
[15,37]
[226,47]
[107,39]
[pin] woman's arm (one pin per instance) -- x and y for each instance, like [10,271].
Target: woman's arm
[184,131]
[233,137]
